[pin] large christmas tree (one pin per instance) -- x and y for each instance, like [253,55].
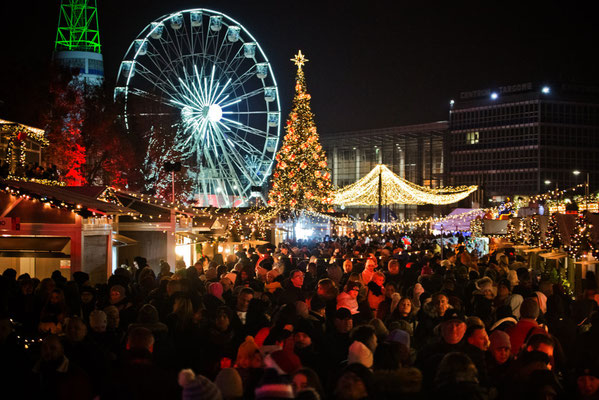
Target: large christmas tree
[301,179]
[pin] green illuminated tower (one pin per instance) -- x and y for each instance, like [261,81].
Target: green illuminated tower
[77,43]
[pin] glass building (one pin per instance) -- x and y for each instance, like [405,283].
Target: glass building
[414,152]
[523,139]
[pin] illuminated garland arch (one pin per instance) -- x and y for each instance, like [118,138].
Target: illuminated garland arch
[396,190]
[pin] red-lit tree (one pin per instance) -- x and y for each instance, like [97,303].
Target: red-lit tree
[64,124]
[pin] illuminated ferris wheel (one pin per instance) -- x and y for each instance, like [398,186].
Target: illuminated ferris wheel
[202,76]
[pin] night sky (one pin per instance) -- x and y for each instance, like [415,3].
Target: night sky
[373,65]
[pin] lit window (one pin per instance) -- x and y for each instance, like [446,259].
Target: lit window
[472,137]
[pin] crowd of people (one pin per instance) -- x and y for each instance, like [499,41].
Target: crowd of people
[29,170]
[351,318]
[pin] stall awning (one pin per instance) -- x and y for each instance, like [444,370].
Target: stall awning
[122,240]
[32,246]
[33,243]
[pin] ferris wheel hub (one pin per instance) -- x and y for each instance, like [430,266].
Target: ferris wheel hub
[213,112]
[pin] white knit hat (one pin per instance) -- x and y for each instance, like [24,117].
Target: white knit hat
[359,353]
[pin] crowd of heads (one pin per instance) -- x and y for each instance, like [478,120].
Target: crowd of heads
[360,317]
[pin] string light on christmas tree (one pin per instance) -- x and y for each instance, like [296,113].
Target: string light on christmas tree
[553,238]
[301,179]
[581,241]
[511,232]
[395,190]
[534,236]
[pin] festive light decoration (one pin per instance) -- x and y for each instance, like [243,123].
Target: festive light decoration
[511,232]
[522,233]
[534,235]
[581,241]
[553,238]
[476,227]
[47,182]
[301,179]
[16,136]
[395,190]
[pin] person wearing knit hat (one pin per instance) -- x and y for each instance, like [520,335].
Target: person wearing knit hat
[248,354]
[229,383]
[359,353]
[197,387]
[216,289]
[285,362]
[399,336]
[500,347]
[273,386]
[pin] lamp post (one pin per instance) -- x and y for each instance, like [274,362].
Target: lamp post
[586,189]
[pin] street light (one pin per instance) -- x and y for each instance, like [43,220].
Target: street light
[547,182]
[586,189]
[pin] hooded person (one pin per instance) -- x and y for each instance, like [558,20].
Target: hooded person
[198,387]
[229,383]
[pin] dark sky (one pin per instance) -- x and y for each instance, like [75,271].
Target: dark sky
[373,64]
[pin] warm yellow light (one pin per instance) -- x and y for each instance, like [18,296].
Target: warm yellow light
[396,190]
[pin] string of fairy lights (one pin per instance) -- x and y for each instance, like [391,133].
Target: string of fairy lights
[395,190]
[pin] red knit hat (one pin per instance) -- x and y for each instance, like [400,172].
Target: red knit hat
[284,361]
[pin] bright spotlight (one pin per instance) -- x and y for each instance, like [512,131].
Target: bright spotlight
[494,96]
[546,90]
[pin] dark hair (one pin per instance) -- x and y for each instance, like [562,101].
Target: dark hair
[471,329]
[245,290]
[537,339]
[363,333]
[312,379]
[529,308]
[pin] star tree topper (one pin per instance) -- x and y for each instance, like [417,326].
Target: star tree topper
[299,59]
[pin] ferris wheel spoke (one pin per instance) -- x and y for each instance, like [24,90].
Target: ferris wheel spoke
[237,61]
[244,112]
[246,128]
[242,79]
[165,86]
[231,154]
[170,45]
[149,96]
[242,97]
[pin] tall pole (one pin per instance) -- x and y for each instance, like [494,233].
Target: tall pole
[380,193]
[442,244]
[586,194]
[173,186]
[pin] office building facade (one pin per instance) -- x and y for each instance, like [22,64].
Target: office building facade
[523,139]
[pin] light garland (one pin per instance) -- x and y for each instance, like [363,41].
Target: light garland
[47,182]
[395,190]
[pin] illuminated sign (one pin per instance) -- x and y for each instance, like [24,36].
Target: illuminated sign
[520,87]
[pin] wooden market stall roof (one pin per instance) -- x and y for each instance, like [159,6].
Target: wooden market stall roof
[78,198]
